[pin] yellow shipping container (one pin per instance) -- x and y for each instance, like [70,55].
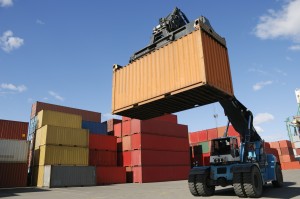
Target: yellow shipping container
[46,117]
[62,155]
[56,135]
[38,177]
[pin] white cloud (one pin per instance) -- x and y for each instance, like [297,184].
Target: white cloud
[259,71]
[45,98]
[56,96]
[294,47]
[280,72]
[6,3]
[260,85]
[108,116]
[40,22]
[284,23]
[12,87]
[259,129]
[262,118]
[8,42]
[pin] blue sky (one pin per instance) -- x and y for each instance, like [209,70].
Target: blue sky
[62,52]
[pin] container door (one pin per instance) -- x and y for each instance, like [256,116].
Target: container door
[47,176]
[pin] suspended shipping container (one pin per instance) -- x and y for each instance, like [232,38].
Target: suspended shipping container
[61,155]
[191,71]
[86,115]
[55,135]
[14,151]
[54,118]
[13,130]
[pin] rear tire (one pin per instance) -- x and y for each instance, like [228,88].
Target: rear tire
[202,186]
[253,183]
[192,185]
[238,185]
[279,178]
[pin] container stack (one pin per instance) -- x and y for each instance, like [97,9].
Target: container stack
[200,143]
[154,150]
[61,151]
[13,153]
[283,150]
[103,155]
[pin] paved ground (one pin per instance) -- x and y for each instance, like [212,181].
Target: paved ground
[167,190]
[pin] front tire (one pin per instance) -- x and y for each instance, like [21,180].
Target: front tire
[238,185]
[253,184]
[279,178]
[202,186]
[192,185]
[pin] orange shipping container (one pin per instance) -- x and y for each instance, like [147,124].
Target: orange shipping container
[191,71]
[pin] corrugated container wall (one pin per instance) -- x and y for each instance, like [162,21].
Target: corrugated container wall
[193,70]
[13,130]
[14,151]
[69,176]
[61,155]
[55,118]
[86,115]
[55,135]
[13,175]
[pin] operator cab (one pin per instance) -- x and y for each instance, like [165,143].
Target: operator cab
[224,150]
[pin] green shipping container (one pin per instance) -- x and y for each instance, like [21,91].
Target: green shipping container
[205,147]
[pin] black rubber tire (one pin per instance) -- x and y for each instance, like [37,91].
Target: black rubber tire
[253,184]
[202,187]
[238,185]
[192,185]
[279,178]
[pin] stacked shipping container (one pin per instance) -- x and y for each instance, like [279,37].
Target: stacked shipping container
[60,141]
[13,153]
[153,150]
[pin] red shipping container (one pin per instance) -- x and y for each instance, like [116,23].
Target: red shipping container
[290,165]
[232,132]
[102,158]
[267,145]
[274,145]
[126,143]
[126,155]
[193,138]
[86,115]
[205,159]
[159,158]
[287,158]
[110,175]
[118,130]
[285,143]
[13,174]
[221,131]
[203,136]
[157,142]
[119,144]
[160,173]
[129,175]
[120,159]
[167,118]
[212,134]
[126,128]
[102,142]
[159,128]
[286,151]
[111,123]
[13,130]
[124,119]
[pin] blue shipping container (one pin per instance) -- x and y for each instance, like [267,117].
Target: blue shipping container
[95,127]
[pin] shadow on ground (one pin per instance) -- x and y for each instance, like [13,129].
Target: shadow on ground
[287,191]
[9,192]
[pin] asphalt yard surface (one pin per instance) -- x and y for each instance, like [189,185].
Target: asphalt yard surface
[168,190]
